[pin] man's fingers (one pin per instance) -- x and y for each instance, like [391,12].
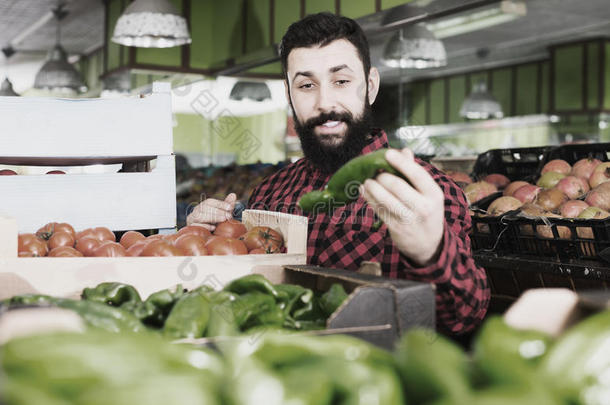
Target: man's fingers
[213,203]
[418,176]
[231,198]
[400,189]
[385,204]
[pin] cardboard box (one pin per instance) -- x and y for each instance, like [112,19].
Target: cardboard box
[134,133]
[67,277]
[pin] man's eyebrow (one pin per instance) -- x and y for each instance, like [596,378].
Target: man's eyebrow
[333,69]
[339,67]
[306,74]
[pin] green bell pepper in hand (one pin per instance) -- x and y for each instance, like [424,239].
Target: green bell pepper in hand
[343,186]
[115,294]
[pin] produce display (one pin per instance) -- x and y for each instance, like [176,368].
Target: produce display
[506,366]
[247,303]
[229,238]
[561,191]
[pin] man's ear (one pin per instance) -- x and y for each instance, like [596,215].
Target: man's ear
[373,84]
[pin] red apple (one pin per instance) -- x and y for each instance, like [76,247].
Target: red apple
[514,186]
[557,166]
[584,167]
[527,193]
[574,187]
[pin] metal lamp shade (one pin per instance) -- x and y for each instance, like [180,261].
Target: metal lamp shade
[151,24]
[480,104]
[58,74]
[414,47]
[256,91]
[6,89]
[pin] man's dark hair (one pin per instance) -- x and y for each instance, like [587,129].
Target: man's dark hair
[320,30]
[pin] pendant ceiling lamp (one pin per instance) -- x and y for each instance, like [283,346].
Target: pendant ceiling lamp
[57,74]
[480,104]
[413,46]
[151,24]
[257,91]
[6,89]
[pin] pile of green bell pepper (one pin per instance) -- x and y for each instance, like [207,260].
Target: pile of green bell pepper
[246,304]
[506,366]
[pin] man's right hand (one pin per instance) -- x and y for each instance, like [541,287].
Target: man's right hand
[211,212]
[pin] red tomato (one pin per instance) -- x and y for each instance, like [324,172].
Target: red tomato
[61,239]
[210,239]
[56,172]
[154,237]
[195,229]
[226,246]
[160,248]
[191,245]
[7,172]
[137,248]
[33,244]
[49,229]
[230,229]
[257,252]
[263,237]
[170,238]
[130,238]
[103,234]
[85,233]
[110,249]
[26,254]
[65,251]
[87,244]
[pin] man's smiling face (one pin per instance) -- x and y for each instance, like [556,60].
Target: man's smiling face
[330,96]
[324,80]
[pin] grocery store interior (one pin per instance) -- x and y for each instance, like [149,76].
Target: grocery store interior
[126,126]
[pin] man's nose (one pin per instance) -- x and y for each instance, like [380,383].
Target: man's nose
[326,100]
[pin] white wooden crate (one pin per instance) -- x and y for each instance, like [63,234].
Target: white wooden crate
[134,126]
[66,277]
[51,132]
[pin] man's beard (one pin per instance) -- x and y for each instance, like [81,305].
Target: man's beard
[329,158]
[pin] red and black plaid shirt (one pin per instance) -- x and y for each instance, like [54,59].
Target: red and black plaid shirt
[345,239]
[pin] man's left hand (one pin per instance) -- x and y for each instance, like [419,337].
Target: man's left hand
[413,211]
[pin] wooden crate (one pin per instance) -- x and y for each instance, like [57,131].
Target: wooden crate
[134,133]
[66,277]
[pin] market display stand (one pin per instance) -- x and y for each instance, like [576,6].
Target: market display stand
[129,140]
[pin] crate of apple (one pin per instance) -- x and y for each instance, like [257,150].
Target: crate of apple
[228,238]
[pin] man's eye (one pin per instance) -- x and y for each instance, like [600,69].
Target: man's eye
[342,82]
[306,86]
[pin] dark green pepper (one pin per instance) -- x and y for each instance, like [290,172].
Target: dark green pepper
[115,294]
[503,355]
[104,317]
[332,299]
[252,283]
[432,367]
[157,306]
[164,300]
[31,299]
[189,317]
[247,307]
[343,186]
[293,297]
[577,367]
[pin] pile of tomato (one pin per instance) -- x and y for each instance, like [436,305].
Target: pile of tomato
[229,238]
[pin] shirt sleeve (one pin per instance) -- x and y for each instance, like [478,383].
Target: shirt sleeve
[462,292]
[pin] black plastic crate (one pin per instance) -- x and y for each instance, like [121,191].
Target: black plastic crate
[514,163]
[561,238]
[489,234]
[572,153]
